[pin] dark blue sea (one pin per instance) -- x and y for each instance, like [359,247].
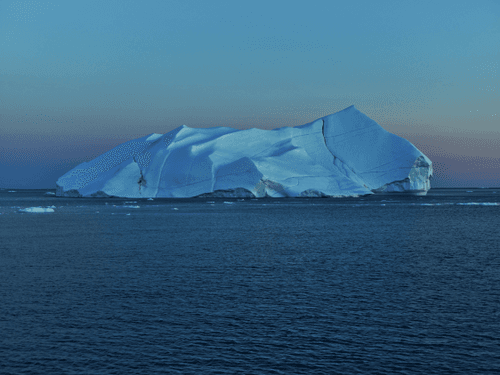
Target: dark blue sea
[372,285]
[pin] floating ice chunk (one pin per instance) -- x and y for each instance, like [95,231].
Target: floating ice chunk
[210,202]
[130,202]
[131,206]
[37,209]
[150,199]
[479,204]
[11,191]
[175,208]
[50,193]
[340,155]
[127,215]
[229,202]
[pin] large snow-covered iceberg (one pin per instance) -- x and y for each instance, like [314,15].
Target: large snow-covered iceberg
[343,154]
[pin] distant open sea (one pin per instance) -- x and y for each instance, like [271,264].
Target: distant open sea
[380,284]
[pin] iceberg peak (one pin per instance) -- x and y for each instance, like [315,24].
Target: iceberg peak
[342,154]
[350,108]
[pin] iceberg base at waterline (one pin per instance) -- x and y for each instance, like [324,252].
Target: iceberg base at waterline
[345,154]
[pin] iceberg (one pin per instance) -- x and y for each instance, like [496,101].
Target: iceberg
[344,154]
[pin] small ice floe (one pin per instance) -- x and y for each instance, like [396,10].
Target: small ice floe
[229,202]
[383,204]
[37,210]
[150,199]
[241,200]
[129,202]
[479,204]
[127,215]
[132,206]
[11,191]
[50,193]
[175,208]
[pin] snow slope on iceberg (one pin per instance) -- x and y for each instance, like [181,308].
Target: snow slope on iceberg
[384,161]
[344,154]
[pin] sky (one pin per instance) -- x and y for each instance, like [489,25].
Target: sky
[78,78]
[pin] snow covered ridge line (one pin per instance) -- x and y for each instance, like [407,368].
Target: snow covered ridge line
[345,154]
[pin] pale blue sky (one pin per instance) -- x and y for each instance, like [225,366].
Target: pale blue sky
[79,77]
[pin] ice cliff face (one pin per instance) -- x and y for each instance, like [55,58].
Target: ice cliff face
[344,154]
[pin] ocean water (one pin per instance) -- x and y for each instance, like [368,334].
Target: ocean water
[380,284]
